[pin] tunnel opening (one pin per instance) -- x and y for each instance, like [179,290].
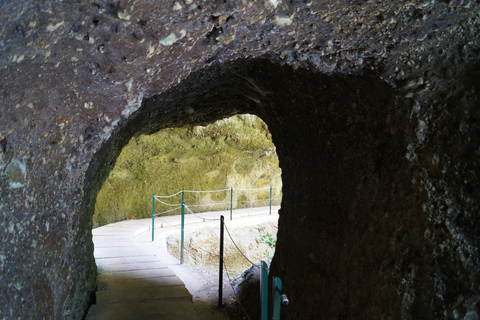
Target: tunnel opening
[231,160]
[231,163]
[342,246]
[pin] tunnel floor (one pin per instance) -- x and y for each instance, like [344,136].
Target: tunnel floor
[138,279]
[133,283]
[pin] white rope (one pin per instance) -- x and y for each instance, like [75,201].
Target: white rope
[208,204]
[179,228]
[188,234]
[169,204]
[171,225]
[173,195]
[258,200]
[234,292]
[198,215]
[228,232]
[167,211]
[190,237]
[207,190]
[252,189]
[179,192]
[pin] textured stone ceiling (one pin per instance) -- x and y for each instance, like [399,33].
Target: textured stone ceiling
[373,106]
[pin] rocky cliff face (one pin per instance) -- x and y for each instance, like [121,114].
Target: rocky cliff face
[235,152]
[373,107]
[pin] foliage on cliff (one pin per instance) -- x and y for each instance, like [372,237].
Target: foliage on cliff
[234,152]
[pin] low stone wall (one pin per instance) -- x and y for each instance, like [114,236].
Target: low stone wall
[202,246]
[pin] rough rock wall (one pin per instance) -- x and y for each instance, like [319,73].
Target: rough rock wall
[373,107]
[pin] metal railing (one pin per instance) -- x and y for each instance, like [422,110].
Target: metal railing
[278,294]
[182,206]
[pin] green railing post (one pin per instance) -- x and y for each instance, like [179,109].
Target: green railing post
[220,268]
[263,290]
[270,200]
[183,226]
[153,217]
[277,298]
[231,202]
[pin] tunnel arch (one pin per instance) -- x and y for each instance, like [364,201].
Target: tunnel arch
[341,142]
[72,73]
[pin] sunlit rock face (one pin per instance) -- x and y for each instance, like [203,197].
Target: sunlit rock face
[373,107]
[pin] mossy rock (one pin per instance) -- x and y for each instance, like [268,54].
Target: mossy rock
[233,152]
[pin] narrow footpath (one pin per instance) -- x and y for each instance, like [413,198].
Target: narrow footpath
[138,279]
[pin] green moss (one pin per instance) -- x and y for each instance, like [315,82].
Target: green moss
[234,152]
[242,201]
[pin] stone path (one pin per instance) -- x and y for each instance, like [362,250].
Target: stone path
[133,283]
[135,275]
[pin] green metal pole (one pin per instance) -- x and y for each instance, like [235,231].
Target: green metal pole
[263,291]
[270,200]
[220,269]
[153,217]
[277,298]
[183,226]
[231,202]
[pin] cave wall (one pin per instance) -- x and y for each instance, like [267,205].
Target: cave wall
[373,108]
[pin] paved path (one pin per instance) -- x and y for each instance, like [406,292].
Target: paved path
[137,279]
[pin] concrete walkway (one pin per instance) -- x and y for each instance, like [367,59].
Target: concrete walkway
[138,279]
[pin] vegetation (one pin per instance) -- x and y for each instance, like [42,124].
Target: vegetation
[234,152]
[271,241]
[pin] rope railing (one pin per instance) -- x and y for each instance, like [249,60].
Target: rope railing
[235,293]
[171,225]
[169,204]
[206,191]
[238,249]
[279,296]
[217,203]
[191,237]
[168,211]
[258,200]
[195,248]
[213,254]
[172,195]
[264,188]
[196,215]
[208,206]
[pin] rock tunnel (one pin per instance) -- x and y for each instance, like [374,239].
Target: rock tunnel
[340,145]
[377,133]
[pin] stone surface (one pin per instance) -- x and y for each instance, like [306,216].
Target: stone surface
[373,107]
[133,282]
[246,287]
